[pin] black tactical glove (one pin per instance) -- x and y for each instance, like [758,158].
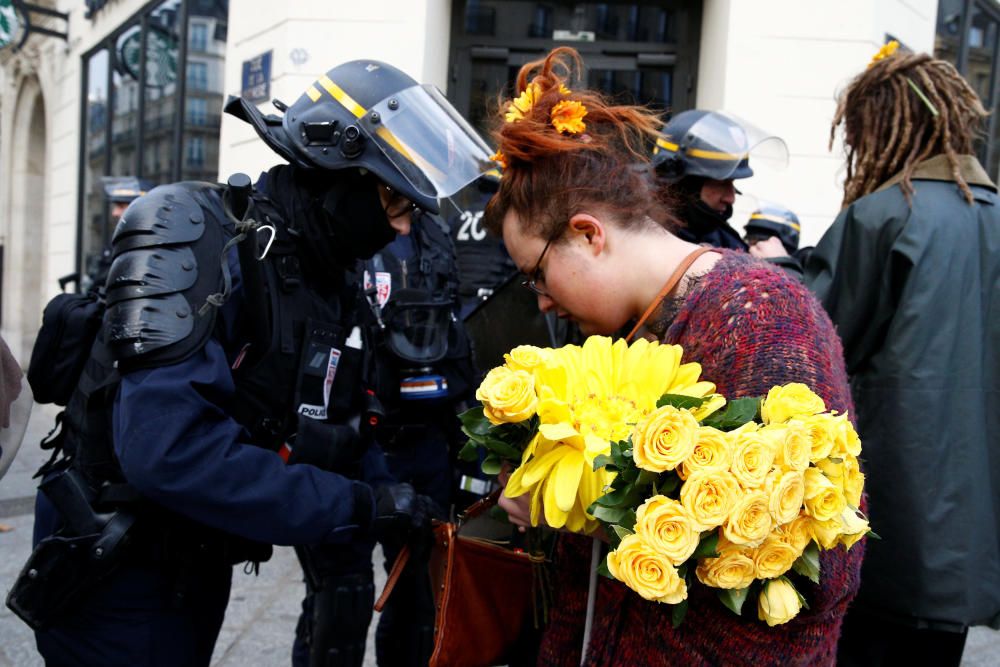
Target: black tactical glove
[402,515]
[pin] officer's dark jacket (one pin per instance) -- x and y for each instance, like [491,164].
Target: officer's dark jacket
[179,446]
[914,290]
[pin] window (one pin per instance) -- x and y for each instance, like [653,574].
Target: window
[197,76]
[197,111]
[199,37]
[195,152]
[140,118]
[967,37]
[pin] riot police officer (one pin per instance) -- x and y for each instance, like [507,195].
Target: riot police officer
[699,157]
[235,374]
[772,232]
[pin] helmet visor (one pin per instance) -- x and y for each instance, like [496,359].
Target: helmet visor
[718,144]
[427,141]
[417,326]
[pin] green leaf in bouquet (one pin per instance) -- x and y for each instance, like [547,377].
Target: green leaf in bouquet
[604,461]
[607,514]
[873,535]
[491,464]
[501,448]
[646,479]
[708,547]
[616,498]
[680,401]
[738,412]
[733,598]
[469,451]
[628,519]
[474,422]
[808,563]
[667,483]
[622,533]
[677,613]
[603,570]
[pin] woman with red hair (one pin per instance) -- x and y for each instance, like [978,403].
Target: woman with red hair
[579,213]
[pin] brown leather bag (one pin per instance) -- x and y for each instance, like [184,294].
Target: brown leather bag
[484,592]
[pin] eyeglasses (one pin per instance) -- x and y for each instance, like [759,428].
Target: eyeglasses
[397,204]
[533,278]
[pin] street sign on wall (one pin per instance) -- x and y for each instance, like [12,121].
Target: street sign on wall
[256,81]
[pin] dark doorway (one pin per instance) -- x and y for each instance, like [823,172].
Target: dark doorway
[643,52]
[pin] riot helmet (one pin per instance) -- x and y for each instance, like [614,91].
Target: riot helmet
[714,145]
[770,219]
[368,115]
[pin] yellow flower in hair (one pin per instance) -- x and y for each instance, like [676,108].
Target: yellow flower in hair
[886,51]
[567,116]
[521,107]
[500,159]
[563,90]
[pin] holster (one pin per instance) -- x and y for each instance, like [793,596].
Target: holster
[67,566]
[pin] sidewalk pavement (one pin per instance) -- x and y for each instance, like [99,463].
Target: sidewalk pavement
[260,622]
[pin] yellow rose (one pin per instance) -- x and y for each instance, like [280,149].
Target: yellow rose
[823,499]
[507,395]
[852,527]
[795,450]
[826,533]
[711,452]
[786,496]
[668,527]
[788,401]
[845,439]
[646,571]
[709,496]
[664,439]
[778,602]
[732,569]
[774,557]
[525,358]
[821,430]
[753,456]
[798,532]
[749,521]
[854,481]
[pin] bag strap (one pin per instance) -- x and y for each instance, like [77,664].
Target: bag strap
[394,574]
[471,512]
[667,288]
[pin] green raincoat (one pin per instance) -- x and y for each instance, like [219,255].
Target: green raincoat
[914,291]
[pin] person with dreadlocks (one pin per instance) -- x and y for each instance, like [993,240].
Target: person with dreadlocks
[910,274]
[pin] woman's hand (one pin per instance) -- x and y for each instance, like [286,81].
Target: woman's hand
[518,509]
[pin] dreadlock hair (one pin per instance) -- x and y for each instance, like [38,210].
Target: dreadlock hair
[889,129]
[549,176]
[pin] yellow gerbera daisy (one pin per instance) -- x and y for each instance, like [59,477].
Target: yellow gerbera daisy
[591,396]
[521,107]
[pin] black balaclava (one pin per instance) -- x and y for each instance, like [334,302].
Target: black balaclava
[337,215]
[702,223]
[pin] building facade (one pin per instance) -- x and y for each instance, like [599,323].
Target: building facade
[136,88]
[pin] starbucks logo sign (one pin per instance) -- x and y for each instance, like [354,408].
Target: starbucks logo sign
[10,21]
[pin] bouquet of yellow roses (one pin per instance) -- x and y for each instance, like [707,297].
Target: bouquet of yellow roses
[688,488]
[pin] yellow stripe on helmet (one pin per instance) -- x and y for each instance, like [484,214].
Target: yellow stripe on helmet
[337,93]
[715,155]
[666,145]
[313,94]
[774,218]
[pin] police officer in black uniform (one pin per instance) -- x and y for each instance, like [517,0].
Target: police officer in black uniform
[698,157]
[229,401]
[772,232]
[426,378]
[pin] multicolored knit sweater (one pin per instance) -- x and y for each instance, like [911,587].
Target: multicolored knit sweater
[751,327]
